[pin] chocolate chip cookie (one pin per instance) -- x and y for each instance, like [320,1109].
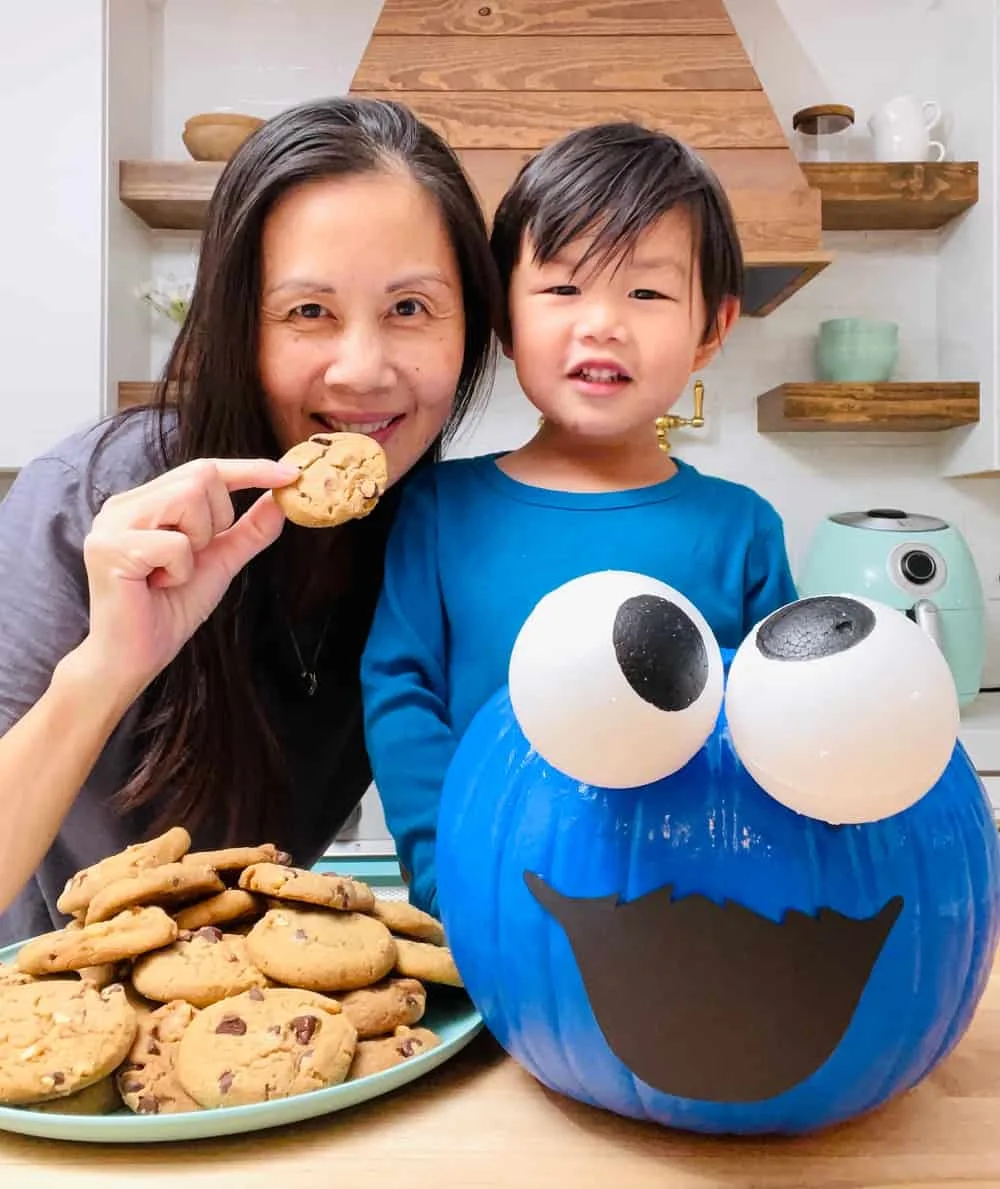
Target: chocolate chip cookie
[58,1036]
[170,883]
[235,858]
[308,887]
[132,932]
[148,1080]
[374,1056]
[342,477]
[82,887]
[400,917]
[265,1045]
[380,1009]
[324,951]
[200,968]
[429,963]
[221,909]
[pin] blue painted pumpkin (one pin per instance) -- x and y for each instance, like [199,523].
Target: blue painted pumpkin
[694,951]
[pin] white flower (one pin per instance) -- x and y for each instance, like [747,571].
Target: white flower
[167,296]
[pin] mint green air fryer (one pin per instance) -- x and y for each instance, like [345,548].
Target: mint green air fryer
[918,564]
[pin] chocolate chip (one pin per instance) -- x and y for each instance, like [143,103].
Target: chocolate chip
[147,1105]
[154,1032]
[256,994]
[409,1047]
[57,1078]
[231,1026]
[320,440]
[153,1049]
[304,1028]
[300,935]
[132,1087]
[225,1082]
[209,933]
[282,858]
[412,1001]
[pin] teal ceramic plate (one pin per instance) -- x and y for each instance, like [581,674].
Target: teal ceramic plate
[449,1014]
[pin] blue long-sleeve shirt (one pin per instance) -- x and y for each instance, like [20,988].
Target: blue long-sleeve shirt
[471,553]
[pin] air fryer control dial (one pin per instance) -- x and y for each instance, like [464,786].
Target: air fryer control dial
[918,566]
[919,570]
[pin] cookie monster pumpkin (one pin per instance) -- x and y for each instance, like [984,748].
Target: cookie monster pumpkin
[729,893]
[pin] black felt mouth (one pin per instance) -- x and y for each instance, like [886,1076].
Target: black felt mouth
[713,1001]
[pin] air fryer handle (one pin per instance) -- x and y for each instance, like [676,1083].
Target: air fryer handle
[926,615]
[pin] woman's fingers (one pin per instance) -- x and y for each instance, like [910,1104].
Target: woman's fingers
[136,554]
[257,528]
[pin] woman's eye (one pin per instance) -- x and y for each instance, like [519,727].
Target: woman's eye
[648,295]
[842,709]
[310,310]
[408,307]
[563,290]
[616,679]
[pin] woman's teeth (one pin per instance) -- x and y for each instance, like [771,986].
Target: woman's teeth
[355,426]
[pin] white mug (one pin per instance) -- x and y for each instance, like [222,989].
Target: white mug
[900,130]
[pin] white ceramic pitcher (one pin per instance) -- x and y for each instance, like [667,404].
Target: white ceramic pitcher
[901,130]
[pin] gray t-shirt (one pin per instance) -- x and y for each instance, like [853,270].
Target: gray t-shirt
[44,613]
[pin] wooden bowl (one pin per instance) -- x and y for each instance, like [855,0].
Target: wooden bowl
[215,136]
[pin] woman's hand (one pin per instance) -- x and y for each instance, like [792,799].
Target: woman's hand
[160,557]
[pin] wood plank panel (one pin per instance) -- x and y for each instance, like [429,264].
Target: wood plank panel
[529,120]
[880,195]
[555,64]
[763,216]
[569,18]
[891,406]
[756,169]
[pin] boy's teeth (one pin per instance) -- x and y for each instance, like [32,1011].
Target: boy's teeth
[600,375]
[356,426]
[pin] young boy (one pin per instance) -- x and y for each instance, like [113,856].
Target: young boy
[623,274]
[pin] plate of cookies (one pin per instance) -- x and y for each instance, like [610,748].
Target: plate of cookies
[197,994]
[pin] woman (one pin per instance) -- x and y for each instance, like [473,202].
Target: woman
[172,653]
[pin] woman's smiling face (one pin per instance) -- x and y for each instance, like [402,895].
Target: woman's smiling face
[362,324]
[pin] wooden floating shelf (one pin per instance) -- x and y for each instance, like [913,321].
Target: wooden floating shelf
[169,195]
[893,196]
[136,392]
[874,407]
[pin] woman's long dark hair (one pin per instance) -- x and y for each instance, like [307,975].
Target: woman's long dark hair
[203,730]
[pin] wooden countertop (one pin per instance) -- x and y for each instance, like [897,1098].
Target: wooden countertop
[479,1121]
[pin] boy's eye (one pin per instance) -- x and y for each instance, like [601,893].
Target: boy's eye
[407,307]
[563,290]
[648,295]
[309,309]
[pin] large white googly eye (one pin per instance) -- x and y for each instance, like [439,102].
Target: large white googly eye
[616,679]
[842,709]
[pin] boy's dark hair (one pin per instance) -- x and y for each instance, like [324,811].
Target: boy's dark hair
[615,180]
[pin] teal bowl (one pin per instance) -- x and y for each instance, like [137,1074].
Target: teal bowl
[856,350]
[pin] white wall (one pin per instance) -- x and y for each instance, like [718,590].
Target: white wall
[52,213]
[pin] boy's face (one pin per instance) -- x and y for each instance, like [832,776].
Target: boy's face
[603,351]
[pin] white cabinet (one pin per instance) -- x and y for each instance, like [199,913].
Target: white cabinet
[52,210]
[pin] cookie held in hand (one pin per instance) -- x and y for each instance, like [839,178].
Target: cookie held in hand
[342,476]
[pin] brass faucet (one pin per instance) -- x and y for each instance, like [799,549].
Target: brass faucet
[671,421]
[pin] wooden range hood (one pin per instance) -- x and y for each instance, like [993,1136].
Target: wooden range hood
[499,79]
